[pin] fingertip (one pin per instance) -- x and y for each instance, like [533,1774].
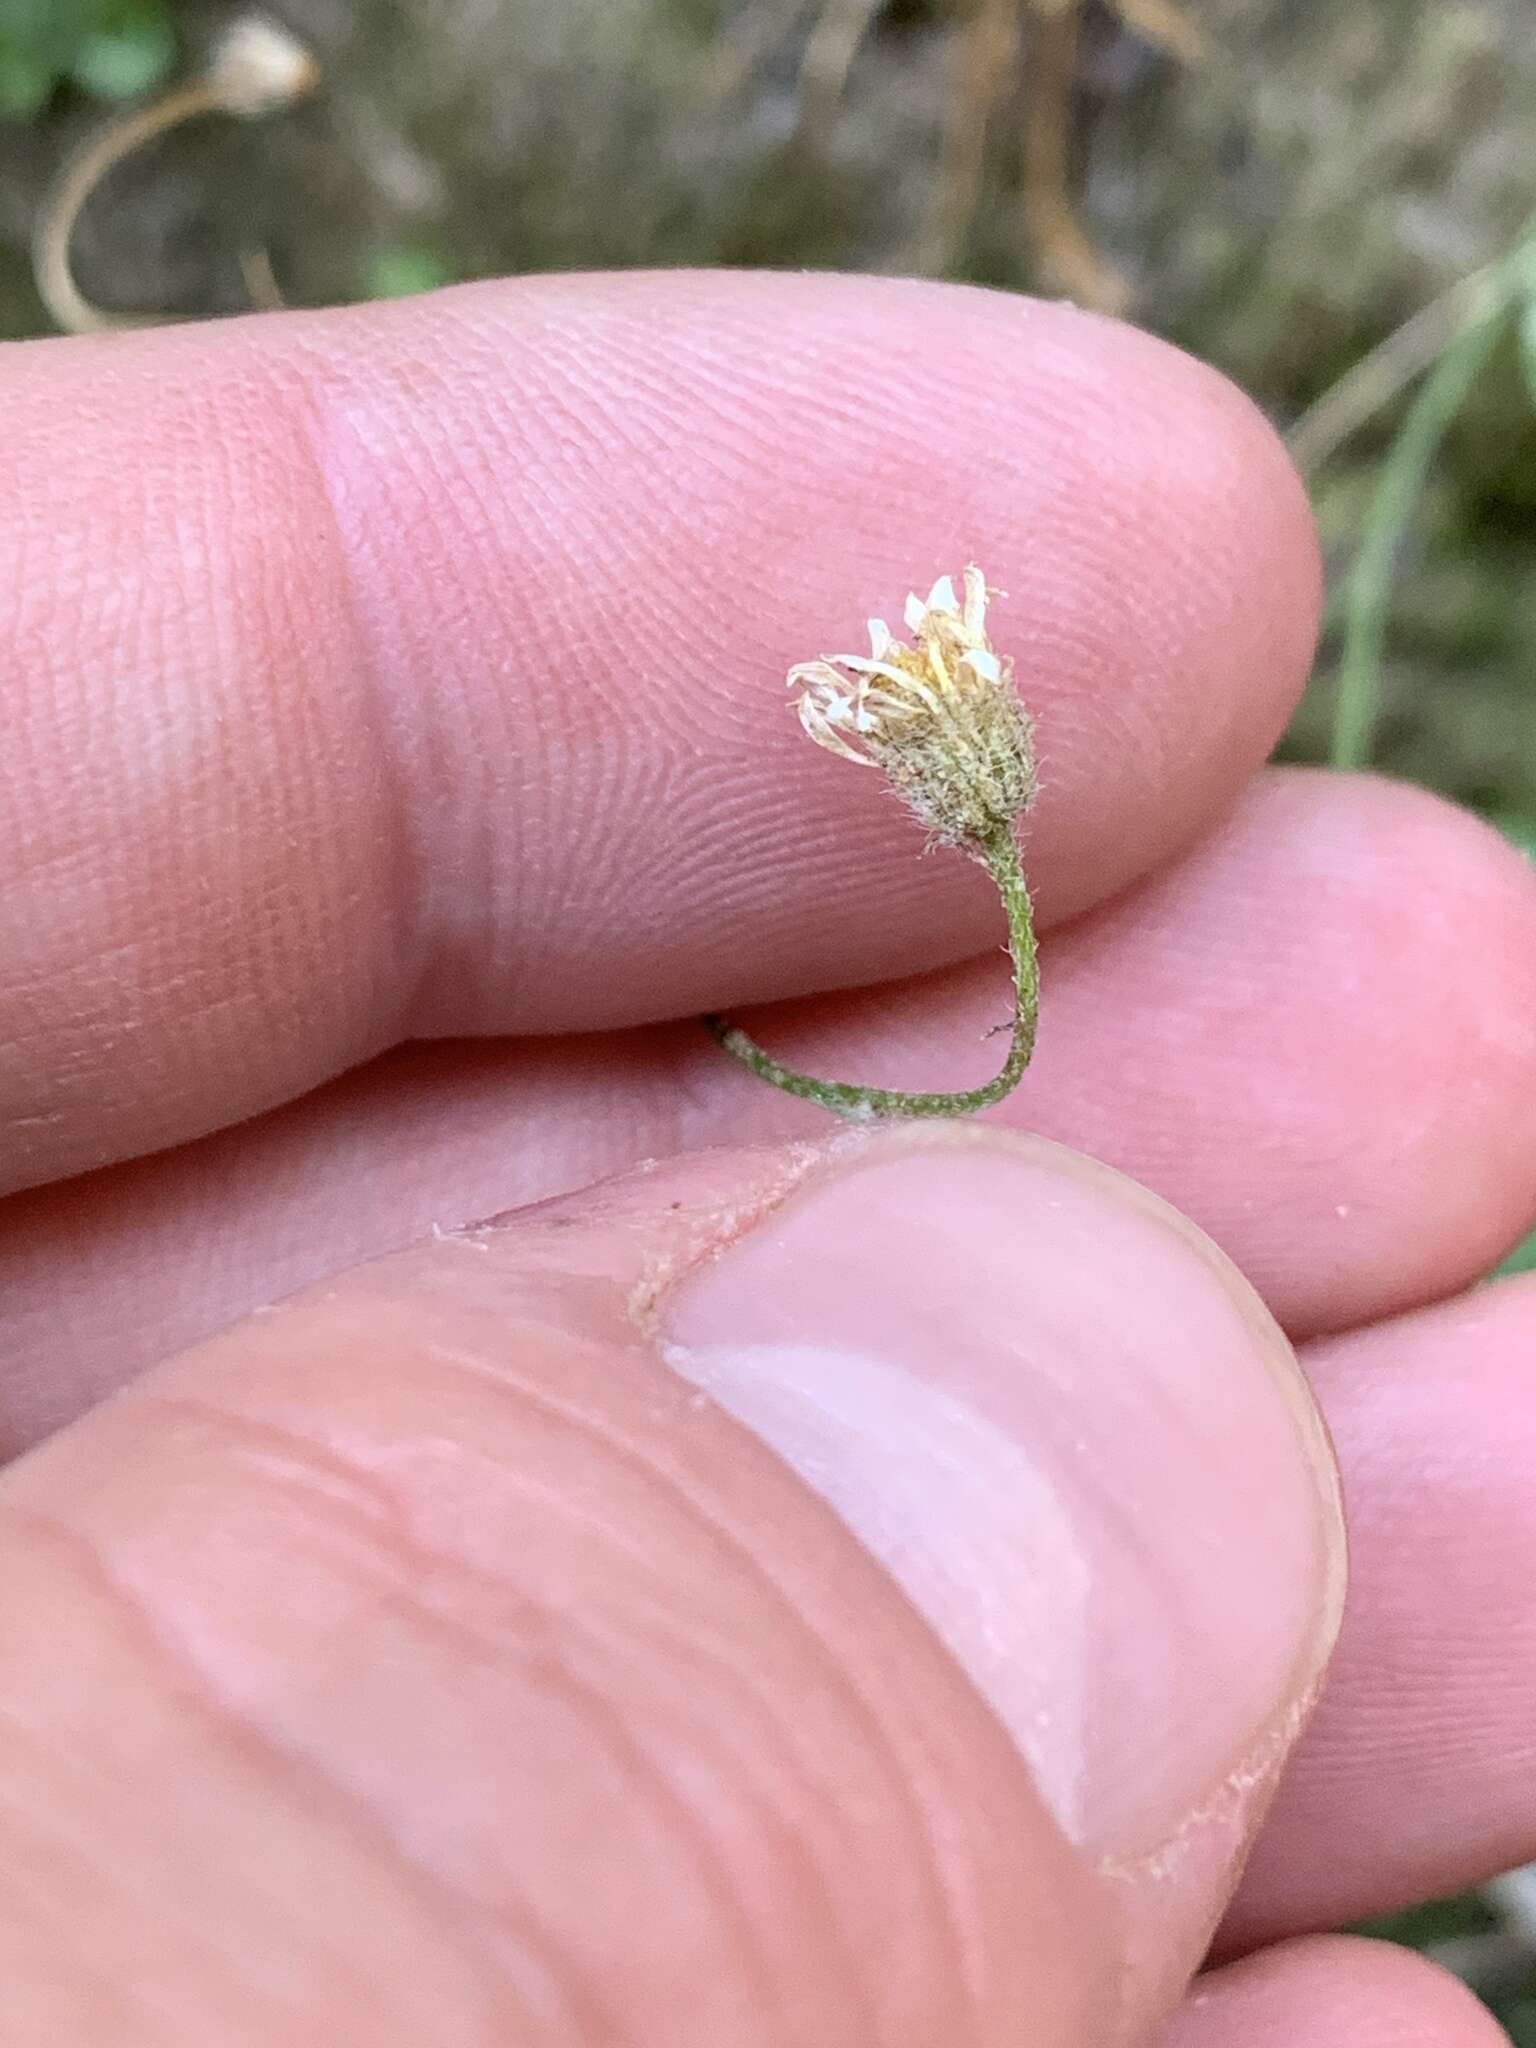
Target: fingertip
[1332,1991]
[777,458]
[439,1582]
[1355,959]
[1454,909]
[683,1521]
[1435,1421]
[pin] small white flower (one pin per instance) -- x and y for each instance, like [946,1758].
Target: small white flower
[939,716]
[258,66]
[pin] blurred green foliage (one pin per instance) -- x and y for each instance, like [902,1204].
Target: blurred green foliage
[398,270]
[1446,1926]
[1440,1920]
[110,49]
[1483,315]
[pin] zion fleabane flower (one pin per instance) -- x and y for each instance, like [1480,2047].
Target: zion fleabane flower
[938,716]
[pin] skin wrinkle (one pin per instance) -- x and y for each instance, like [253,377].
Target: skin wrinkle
[420,1562]
[430,1892]
[587,1425]
[43,1912]
[722,1534]
[366,1503]
[165,727]
[65,1905]
[650,1785]
[343,427]
[719,1535]
[402,855]
[554,1675]
[559,1677]
[935,1751]
[730,1767]
[647,1783]
[907,1769]
[903,1778]
[671,770]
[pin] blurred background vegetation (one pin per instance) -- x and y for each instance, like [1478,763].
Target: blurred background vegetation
[1332,203]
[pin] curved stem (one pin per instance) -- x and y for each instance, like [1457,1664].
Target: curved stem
[53,263]
[1000,857]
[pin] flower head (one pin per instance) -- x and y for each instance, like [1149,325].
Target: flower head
[939,716]
[258,66]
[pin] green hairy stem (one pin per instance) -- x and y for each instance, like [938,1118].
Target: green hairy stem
[999,854]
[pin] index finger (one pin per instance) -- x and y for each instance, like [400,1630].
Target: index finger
[417,669]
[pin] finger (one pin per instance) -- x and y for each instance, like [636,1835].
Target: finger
[1416,1779]
[418,670]
[1259,1034]
[1332,1992]
[1316,1036]
[788,1576]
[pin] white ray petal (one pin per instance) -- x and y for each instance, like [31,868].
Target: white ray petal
[813,673]
[861,667]
[828,736]
[975,601]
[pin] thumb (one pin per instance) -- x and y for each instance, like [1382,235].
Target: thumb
[853,1595]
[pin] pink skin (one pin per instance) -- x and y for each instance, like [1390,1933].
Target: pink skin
[1332,1991]
[411,673]
[336,717]
[1260,931]
[1435,1416]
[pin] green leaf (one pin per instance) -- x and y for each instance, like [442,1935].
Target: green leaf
[1403,474]
[26,80]
[1528,341]
[1438,1920]
[44,26]
[1518,829]
[126,59]
[401,269]
[46,32]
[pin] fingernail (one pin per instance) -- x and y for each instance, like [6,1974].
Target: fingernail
[1068,1429]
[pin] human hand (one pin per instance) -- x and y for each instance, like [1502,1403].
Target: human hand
[830,1589]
